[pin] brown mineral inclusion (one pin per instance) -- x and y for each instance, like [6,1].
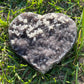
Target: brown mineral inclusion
[42,40]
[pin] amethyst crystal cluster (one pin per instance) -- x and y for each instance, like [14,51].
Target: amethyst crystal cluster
[42,40]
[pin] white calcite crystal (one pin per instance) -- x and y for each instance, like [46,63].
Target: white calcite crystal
[20,18]
[42,40]
[25,20]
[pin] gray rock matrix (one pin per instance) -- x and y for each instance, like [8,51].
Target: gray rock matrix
[42,40]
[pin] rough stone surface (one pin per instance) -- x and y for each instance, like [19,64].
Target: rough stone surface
[42,40]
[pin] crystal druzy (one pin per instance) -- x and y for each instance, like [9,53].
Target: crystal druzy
[42,40]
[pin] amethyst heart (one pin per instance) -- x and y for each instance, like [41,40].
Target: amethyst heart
[42,40]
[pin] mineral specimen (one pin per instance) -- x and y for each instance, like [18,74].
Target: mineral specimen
[42,40]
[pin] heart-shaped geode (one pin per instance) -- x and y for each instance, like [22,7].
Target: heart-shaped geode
[42,40]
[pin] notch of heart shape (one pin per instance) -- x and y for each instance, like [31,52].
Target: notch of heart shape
[42,40]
